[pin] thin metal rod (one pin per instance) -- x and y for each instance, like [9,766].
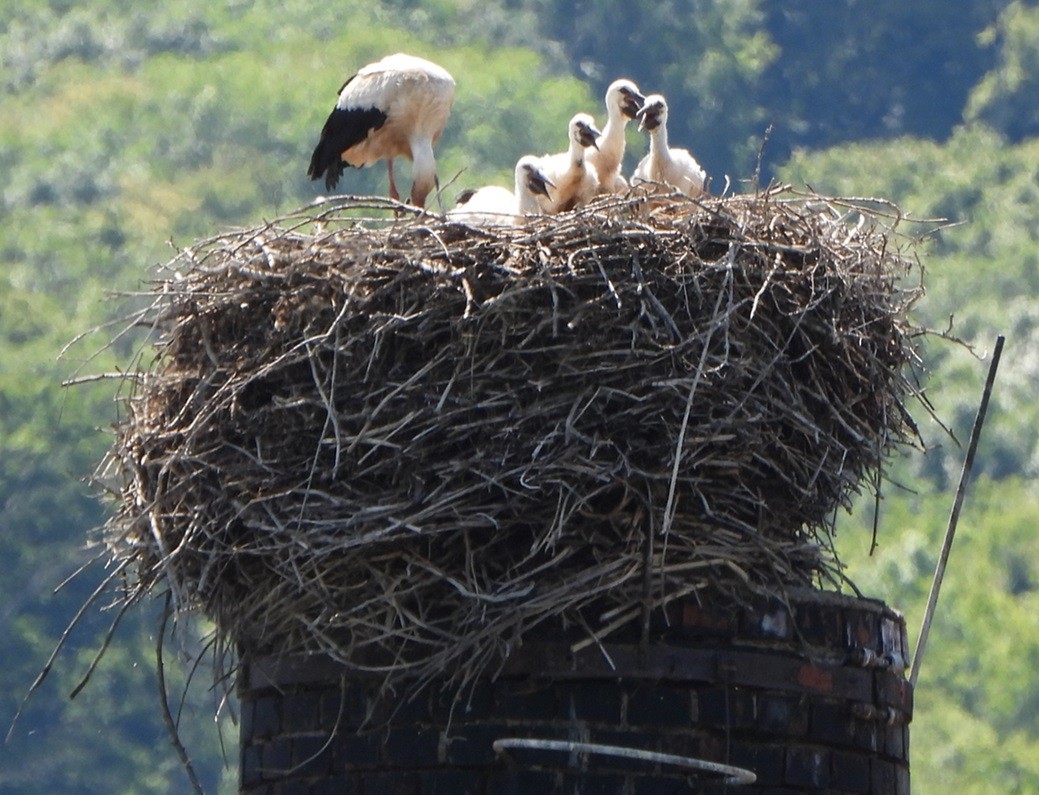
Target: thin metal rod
[735,775]
[961,490]
[164,700]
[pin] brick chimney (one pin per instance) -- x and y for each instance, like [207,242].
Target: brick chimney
[809,697]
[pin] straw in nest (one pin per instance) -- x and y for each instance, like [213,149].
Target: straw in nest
[407,444]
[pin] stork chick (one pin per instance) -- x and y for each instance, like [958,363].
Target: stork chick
[576,183]
[494,205]
[396,107]
[623,102]
[664,165]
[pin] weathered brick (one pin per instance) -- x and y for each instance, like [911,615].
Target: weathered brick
[402,708]
[471,703]
[651,705]
[882,776]
[593,783]
[596,702]
[702,620]
[337,785]
[894,741]
[901,780]
[245,720]
[410,747]
[625,739]
[808,767]
[276,759]
[743,720]
[251,769]
[473,744]
[869,735]
[862,630]
[312,755]
[892,690]
[715,747]
[819,624]
[832,723]
[343,708]
[661,785]
[301,712]
[266,718]
[392,783]
[732,707]
[259,789]
[453,782]
[769,621]
[522,782]
[850,772]
[686,743]
[293,787]
[783,715]
[355,751]
[818,679]
[767,762]
[527,701]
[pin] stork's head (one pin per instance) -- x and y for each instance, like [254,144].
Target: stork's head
[423,171]
[653,112]
[583,130]
[420,190]
[530,175]
[625,96]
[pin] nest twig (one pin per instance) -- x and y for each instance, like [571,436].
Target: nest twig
[407,444]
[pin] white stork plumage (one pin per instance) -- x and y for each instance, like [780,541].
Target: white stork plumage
[576,184]
[623,101]
[664,165]
[396,107]
[494,205]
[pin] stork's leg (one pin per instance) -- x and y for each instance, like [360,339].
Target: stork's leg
[393,185]
[440,198]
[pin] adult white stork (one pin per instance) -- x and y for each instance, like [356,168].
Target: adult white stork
[623,101]
[576,184]
[664,165]
[396,107]
[494,205]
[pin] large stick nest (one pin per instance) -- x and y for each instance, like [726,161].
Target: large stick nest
[407,443]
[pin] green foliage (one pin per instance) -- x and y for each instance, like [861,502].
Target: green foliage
[34,36]
[1005,97]
[884,68]
[978,692]
[982,267]
[124,127]
[822,72]
[716,53]
[492,135]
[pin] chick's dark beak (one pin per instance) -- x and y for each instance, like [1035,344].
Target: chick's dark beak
[632,103]
[588,135]
[537,182]
[649,118]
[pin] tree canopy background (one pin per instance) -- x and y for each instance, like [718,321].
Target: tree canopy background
[125,129]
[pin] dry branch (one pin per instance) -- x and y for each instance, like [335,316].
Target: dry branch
[408,443]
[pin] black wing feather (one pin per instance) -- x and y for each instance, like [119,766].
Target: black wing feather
[343,129]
